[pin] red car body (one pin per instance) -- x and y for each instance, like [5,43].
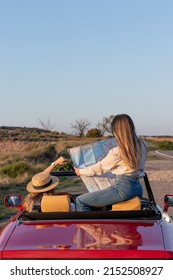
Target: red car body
[145,234]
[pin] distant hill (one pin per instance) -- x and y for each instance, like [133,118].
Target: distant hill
[14,133]
[3,127]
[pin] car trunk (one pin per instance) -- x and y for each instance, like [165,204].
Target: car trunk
[86,240]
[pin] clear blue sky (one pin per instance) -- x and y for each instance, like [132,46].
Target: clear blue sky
[74,59]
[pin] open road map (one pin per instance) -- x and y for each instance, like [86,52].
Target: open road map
[89,154]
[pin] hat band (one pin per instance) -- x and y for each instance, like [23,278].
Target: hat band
[43,186]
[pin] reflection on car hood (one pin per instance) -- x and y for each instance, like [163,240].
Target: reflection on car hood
[85,240]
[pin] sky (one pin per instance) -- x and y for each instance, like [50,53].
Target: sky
[67,60]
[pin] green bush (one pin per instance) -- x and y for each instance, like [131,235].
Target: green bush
[165,145]
[15,169]
[94,132]
[66,167]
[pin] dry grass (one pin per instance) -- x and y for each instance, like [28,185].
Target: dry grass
[37,155]
[156,139]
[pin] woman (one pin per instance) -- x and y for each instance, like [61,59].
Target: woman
[41,183]
[126,161]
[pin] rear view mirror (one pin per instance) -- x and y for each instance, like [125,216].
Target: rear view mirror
[168,201]
[13,200]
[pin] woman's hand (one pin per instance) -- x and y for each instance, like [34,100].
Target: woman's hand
[77,170]
[60,160]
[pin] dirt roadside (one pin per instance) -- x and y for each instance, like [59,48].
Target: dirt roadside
[160,174]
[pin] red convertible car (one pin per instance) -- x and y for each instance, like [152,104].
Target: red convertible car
[135,229]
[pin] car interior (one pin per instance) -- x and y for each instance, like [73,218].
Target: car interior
[58,207]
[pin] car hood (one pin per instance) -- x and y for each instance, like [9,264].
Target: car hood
[85,240]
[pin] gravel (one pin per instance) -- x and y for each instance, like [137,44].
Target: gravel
[160,174]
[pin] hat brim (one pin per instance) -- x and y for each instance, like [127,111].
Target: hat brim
[55,181]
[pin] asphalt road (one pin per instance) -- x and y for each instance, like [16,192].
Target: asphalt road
[160,173]
[165,154]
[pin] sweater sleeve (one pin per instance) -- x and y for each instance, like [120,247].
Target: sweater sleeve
[104,165]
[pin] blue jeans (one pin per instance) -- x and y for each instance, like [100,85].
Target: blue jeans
[126,187]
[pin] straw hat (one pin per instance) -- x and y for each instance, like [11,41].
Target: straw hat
[42,182]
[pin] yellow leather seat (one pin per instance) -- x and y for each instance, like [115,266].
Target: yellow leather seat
[55,203]
[131,204]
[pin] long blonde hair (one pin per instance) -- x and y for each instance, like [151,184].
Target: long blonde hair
[33,199]
[30,200]
[129,144]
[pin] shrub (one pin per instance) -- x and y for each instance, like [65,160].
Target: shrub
[94,132]
[15,169]
[165,145]
[66,167]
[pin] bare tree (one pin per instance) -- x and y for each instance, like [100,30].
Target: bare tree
[80,126]
[46,124]
[105,125]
